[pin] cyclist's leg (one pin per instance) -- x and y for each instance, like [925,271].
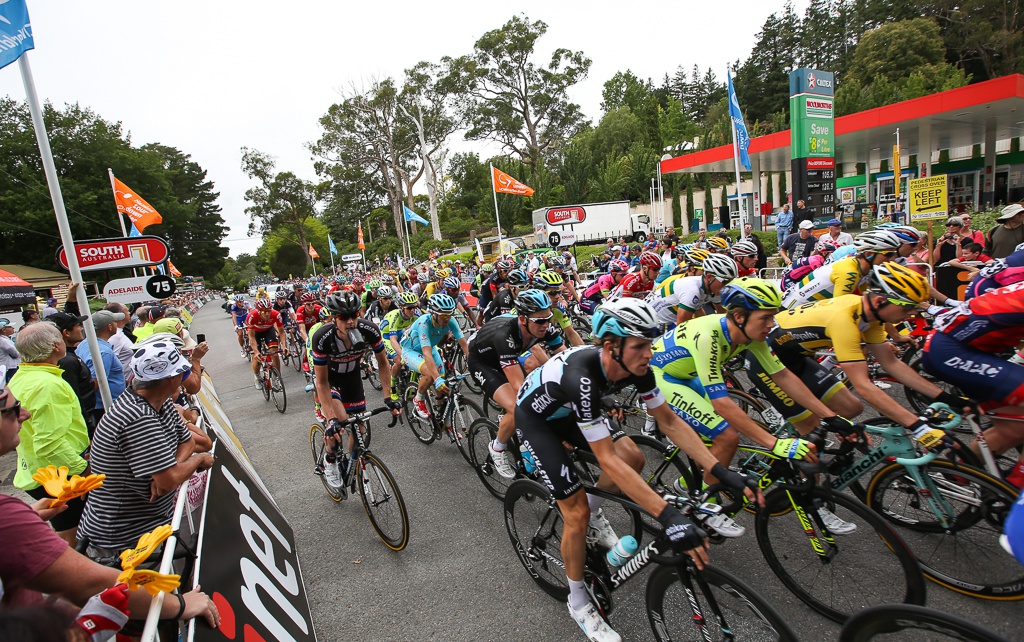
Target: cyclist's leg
[240,332]
[351,396]
[690,402]
[273,345]
[818,380]
[414,359]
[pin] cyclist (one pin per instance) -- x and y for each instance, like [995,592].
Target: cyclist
[551,283]
[679,298]
[845,276]
[436,286]
[284,307]
[505,301]
[562,402]
[557,264]
[422,279]
[1000,273]
[393,328]
[382,305]
[717,245]
[805,265]
[496,356]
[453,288]
[485,272]
[688,365]
[843,323]
[490,288]
[419,347]
[745,253]
[638,284]
[239,311]
[337,348]
[598,291]
[368,297]
[262,325]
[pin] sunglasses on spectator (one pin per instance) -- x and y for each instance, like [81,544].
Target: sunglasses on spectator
[953,225]
[13,410]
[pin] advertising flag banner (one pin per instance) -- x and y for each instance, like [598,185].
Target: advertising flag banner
[15,31]
[141,213]
[505,184]
[414,217]
[742,137]
[312,252]
[330,243]
[174,270]
[361,245]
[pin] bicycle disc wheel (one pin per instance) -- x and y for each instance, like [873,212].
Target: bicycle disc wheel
[481,433]
[534,527]
[383,502]
[466,412]
[684,608]
[317,449]
[277,390]
[965,556]
[912,623]
[864,568]
[422,428]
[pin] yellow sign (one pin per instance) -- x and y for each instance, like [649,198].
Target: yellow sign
[896,168]
[928,198]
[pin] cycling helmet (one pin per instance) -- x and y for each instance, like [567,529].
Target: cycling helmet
[339,279]
[308,297]
[876,241]
[651,260]
[549,280]
[744,248]
[408,298]
[906,233]
[357,280]
[751,293]
[387,279]
[717,243]
[626,318]
[443,273]
[518,278]
[532,301]
[343,303]
[899,283]
[441,304]
[452,283]
[385,292]
[695,256]
[504,264]
[886,226]
[281,294]
[555,262]
[618,265]
[157,337]
[825,246]
[374,284]
[264,304]
[422,277]
[239,297]
[486,268]
[324,314]
[720,266]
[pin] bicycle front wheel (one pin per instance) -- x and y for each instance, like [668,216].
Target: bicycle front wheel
[383,502]
[277,390]
[965,555]
[710,605]
[265,383]
[866,567]
[422,428]
[370,371]
[318,450]
[465,413]
[297,356]
[535,528]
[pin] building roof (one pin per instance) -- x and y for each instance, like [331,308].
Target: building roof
[38,277]
[957,118]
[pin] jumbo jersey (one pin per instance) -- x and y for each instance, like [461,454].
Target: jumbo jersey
[700,348]
[990,323]
[838,323]
[569,388]
[499,343]
[329,350]
[259,324]
[423,333]
[679,292]
[829,281]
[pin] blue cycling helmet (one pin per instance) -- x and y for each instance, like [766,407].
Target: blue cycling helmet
[626,318]
[452,283]
[239,297]
[441,304]
[532,301]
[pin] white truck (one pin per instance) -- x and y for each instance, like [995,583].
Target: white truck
[588,222]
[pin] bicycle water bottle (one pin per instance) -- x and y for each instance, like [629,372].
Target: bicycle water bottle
[528,464]
[622,551]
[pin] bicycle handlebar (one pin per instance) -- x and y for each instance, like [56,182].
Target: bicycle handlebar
[366,414]
[945,418]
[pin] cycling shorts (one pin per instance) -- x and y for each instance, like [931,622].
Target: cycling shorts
[590,305]
[544,441]
[818,379]
[690,402]
[488,376]
[267,338]
[980,375]
[349,391]
[414,359]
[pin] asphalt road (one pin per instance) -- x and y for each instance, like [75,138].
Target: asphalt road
[458,579]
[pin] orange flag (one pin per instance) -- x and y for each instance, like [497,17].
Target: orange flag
[174,271]
[312,252]
[141,213]
[505,184]
[361,245]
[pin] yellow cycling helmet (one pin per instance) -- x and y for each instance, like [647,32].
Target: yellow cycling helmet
[549,280]
[899,284]
[718,243]
[695,256]
[443,273]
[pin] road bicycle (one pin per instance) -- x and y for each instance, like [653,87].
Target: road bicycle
[246,347]
[363,471]
[905,621]
[368,366]
[452,414]
[681,601]
[269,380]
[296,348]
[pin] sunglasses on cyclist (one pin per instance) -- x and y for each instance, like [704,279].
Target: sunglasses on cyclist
[347,317]
[540,321]
[409,307]
[13,410]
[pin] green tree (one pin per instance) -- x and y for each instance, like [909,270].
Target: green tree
[617,132]
[762,81]
[985,37]
[575,166]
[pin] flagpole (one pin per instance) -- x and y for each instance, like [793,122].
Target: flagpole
[497,218]
[120,217]
[62,223]
[736,166]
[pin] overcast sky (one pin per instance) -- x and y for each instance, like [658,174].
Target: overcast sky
[211,77]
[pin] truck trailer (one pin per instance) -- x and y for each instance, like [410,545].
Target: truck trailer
[589,222]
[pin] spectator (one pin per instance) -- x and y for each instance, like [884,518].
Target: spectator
[146,451]
[9,358]
[948,246]
[701,242]
[617,253]
[801,213]
[55,433]
[153,314]
[972,253]
[176,328]
[836,233]
[29,316]
[1007,234]
[51,307]
[783,224]
[534,264]
[976,236]
[798,245]
[120,340]
[76,372]
[670,235]
[105,323]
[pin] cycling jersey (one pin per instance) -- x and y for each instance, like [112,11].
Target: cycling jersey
[423,333]
[600,288]
[679,292]
[498,345]
[260,324]
[394,325]
[490,289]
[993,322]
[800,268]
[329,350]
[504,303]
[285,309]
[837,323]
[1000,273]
[376,312]
[633,285]
[828,281]
[667,268]
[308,320]
[239,312]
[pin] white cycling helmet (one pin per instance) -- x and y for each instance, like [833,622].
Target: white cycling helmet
[877,241]
[721,266]
[744,248]
[626,318]
[385,292]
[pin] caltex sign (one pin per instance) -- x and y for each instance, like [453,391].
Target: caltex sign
[108,254]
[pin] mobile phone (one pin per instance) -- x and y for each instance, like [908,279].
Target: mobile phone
[200,338]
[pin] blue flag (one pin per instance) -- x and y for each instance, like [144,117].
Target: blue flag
[414,217]
[334,250]
[742,137]
[15,31]
[134,231]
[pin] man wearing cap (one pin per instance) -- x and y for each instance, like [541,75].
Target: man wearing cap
[153,314]
[836,233]
[9,357]
[1007,234]
[76,372]
[51,307]
[120,341]
[105,323]
[796,246]
[146,451]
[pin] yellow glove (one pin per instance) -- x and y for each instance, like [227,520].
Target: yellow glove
[152,581]
[148,543]
[52,479]
[76,487]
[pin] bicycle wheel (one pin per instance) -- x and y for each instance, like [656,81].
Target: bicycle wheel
[534,527]
[318,450]
[912,623]
[297,357]
[664,465]
[370,372]
[864,568]
[710,605]
[481,433]
[422,428]
[965,556]
[265,382]
[277,390]
[383,502]
[466,412]
[461,365]
[918,401]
